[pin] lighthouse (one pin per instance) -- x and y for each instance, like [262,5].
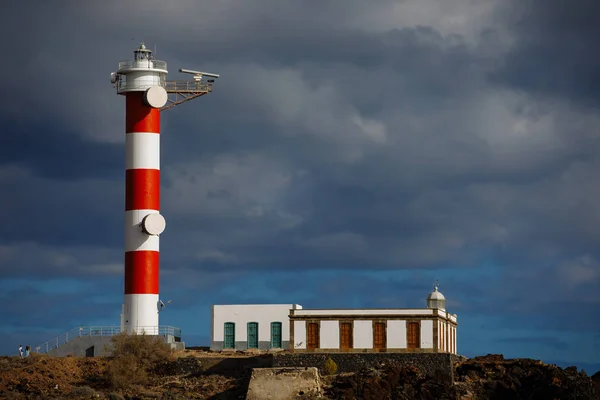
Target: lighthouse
[143,82]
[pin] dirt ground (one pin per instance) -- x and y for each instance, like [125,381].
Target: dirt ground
[193,375]
[44,376]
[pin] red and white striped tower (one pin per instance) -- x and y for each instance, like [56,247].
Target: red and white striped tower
[142,81]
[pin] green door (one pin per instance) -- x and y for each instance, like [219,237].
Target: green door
[229,335]
[276,335]
[253,335]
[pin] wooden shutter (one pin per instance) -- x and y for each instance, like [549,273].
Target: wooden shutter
[379,336]
[346,336]
[312,339]
[413,335]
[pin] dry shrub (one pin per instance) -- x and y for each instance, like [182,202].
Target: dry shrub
[83,392]
[133,357]
[329,367]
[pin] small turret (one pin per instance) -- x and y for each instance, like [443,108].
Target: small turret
[142,53]
[436,299]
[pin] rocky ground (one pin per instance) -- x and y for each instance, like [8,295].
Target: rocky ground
[203,375]
[490,377]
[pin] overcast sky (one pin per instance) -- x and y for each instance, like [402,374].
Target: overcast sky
[351,153]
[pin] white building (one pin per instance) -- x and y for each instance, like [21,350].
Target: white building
[250,326]
[421,330]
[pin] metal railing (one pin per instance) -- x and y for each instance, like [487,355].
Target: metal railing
[181,87]
[156,64]
[188,86]
[88,331]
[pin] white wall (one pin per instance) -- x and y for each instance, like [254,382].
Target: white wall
[241,314]
[330,335]
[363,334]
[396,334]
[299,335]
[427,334]
[366,312]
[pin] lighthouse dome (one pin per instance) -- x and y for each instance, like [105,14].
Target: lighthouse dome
[436,299]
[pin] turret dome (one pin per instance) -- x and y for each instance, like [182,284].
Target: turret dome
[436,299]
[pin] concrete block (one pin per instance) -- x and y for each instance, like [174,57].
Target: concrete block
[284,384]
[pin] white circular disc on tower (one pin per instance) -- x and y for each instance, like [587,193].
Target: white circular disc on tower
[156,96]
[154,224]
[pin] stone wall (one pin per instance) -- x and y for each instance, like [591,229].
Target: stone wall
[428,363]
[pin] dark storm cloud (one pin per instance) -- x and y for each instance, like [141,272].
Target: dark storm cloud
[55,152]
[555,49]
[384,213]
[59,212]
[40,262]
[406,50]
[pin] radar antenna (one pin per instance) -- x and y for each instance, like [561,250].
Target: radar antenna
[188,90]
